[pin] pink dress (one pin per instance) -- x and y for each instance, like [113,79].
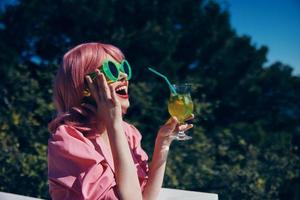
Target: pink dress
[81,167]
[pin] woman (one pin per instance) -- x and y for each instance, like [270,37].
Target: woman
[92,152]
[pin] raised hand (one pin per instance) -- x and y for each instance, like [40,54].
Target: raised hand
[108,108]
[172,126]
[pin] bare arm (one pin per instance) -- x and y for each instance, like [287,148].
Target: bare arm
[126,176]
[109,112]
[157,170]
[159,160]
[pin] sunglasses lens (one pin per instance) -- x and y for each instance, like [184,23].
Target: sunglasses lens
[127,69]
[113,69]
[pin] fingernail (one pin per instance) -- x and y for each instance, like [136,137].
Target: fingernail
[101,74]
[88,78]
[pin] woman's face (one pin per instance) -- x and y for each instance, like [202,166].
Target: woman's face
[121,89]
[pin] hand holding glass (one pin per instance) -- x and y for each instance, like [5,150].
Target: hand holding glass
[180,105]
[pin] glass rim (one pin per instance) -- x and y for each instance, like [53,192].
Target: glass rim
[182,88]
[182,84]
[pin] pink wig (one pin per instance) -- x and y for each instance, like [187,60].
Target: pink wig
[69,81]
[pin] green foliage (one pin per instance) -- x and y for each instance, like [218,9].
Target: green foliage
[246,137]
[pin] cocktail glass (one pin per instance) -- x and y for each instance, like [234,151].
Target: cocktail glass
[180,105]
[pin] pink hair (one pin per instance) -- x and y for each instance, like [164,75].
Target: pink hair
[69,82]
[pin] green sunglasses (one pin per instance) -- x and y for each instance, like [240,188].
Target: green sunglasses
[112,70]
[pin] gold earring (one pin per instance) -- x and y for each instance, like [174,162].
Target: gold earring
[86,93]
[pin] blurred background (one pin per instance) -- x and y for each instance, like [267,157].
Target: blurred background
[241,60]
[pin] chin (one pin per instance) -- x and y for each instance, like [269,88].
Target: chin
[124,107]
[124,110]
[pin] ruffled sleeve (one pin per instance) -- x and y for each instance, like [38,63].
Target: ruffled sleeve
[76,170]
[139,155]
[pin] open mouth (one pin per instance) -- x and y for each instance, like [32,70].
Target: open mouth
[122,92]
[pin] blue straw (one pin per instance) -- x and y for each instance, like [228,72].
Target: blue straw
[166,79]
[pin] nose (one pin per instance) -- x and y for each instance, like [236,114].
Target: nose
[122,76]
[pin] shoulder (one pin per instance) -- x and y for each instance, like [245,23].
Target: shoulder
[65,131]
[132,133]
[66,136]
[131,130]
[69,143]
[134,139]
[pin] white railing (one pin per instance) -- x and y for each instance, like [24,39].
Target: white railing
[174,194]
[10,196]
[165,194]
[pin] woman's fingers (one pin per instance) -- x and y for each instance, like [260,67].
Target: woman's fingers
[101,91]
[185,127]
[190,117]
[92,88]
[172,123]
[172,120]
[172,127]
[104,90]
[168,128]
[113,94]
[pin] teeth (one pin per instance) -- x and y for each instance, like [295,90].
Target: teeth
[121,88]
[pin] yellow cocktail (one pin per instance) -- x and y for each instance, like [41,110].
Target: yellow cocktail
[180,105]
